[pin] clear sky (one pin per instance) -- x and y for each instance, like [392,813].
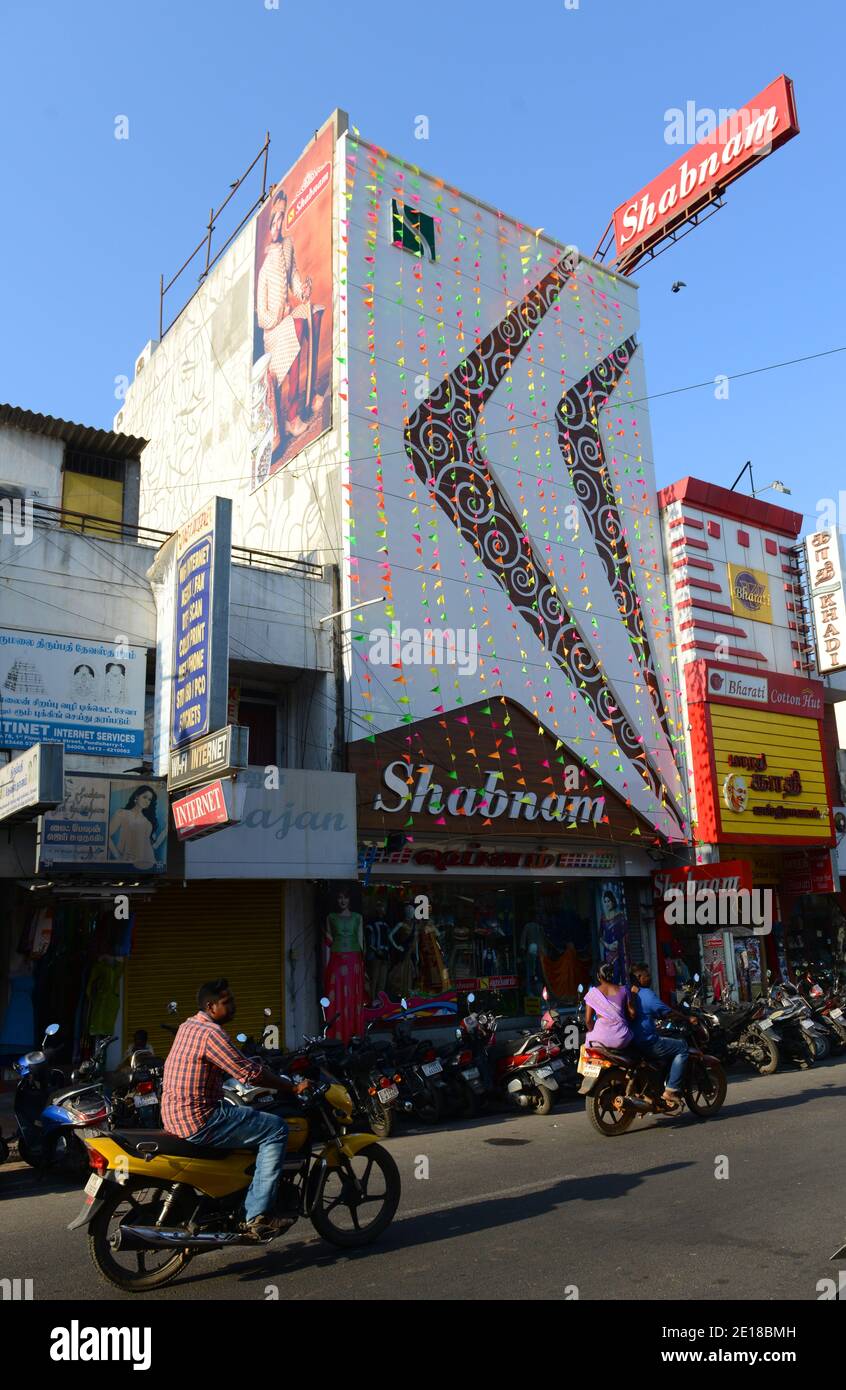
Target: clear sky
[552,110]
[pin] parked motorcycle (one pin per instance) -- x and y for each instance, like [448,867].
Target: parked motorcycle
[526,1070]
[49,1111]
[467,1070]
[153,1201]
[800,1036]
[741,1034]
[619,1087]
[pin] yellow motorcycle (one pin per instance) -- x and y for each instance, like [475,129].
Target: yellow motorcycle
[153,1201]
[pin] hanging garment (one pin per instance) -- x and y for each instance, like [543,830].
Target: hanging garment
[103,996]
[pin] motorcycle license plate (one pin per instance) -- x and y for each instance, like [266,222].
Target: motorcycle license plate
[837,1013]
[557,1065]
[765,1026]
[431,1068]
[141,1101]
[591,1069]
[387,1094]
[808,1025]
[93,1185]
[471,1074]
[543,1071]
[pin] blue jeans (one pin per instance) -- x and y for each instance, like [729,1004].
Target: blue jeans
[662,1048]
[238,1127]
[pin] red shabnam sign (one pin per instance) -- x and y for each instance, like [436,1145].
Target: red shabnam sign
[700,175]
[202,809]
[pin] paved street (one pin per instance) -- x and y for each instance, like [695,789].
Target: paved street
[521,1207]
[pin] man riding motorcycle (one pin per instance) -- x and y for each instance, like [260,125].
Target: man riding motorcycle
[200,1060]
[648,1006]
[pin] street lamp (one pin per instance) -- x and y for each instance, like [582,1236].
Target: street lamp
[775,486]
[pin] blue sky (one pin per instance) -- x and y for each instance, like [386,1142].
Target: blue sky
[554,114]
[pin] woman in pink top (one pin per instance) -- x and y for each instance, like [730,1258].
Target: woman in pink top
[608,1010]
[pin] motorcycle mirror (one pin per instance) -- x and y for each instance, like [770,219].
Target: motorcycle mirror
[458,1032]
[268,1013]
[696,978]
[172,1006]
[324,1003]
[581,989]
[471,998]
[404,1002]
[544,994]
[51,1029]
[241,1037]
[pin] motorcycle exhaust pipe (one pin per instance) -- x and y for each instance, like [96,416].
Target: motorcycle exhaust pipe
[162,1237]
[629,1103]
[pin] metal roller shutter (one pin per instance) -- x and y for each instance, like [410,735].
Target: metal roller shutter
[184,936]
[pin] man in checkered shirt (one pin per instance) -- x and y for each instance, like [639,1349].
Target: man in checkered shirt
[200,1060]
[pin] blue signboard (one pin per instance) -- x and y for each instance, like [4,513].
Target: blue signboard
[201,624]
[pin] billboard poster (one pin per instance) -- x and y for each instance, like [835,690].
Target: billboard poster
[614,928]
[200,675]
[32,782]
[291,387]
[113,824]
[88,696]
[749,590]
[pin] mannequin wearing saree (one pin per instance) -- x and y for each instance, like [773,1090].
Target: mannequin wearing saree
[344,977]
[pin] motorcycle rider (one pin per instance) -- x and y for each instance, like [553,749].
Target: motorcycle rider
[647,1007]
[200,1060]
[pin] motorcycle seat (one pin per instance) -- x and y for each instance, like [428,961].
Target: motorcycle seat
[168,1144]
[615,1054]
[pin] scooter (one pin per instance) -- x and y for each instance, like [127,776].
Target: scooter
[48,1111]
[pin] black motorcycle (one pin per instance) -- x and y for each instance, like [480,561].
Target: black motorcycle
[740,1035]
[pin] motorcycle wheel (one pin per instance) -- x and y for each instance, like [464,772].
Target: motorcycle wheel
[600,1108]
[380,1120]
[469,1102]
[541,1099]
[140,1204]
[25,1153]
[760,1053]
[368,1179]
[705,1090]
[821,1047]
[430,1108]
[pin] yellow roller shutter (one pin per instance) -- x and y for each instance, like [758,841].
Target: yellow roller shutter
[184,936]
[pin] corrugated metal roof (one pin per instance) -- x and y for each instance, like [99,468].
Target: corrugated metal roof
[83,437]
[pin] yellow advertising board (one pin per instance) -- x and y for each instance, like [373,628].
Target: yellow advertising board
[750,593]
[769,775]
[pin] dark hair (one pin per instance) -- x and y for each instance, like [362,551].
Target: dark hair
[141,1033]
[211,991]
[278,194]
[638,969]
[606,973]
[609,893]
[83,666]
[115,666]
[149,812]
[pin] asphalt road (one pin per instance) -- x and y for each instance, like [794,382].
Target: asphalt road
[522,1207]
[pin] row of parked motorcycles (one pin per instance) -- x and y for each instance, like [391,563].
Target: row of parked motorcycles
[406,1076]
[51,1107]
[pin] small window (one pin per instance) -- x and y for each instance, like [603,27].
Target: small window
[413,230]
[92,485]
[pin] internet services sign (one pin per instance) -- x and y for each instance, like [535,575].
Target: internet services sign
[201,627]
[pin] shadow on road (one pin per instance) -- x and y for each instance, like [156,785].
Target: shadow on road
[425,1228]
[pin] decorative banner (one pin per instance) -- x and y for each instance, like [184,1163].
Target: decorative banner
[200,673]
[705,171]
[825,581]
[111,825]
[291,392]
[749,591]
[88,696]
[212,756]
[33,782]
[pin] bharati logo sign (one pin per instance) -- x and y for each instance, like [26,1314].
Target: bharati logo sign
[750,593]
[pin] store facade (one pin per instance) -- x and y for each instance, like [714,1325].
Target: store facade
[760,743]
